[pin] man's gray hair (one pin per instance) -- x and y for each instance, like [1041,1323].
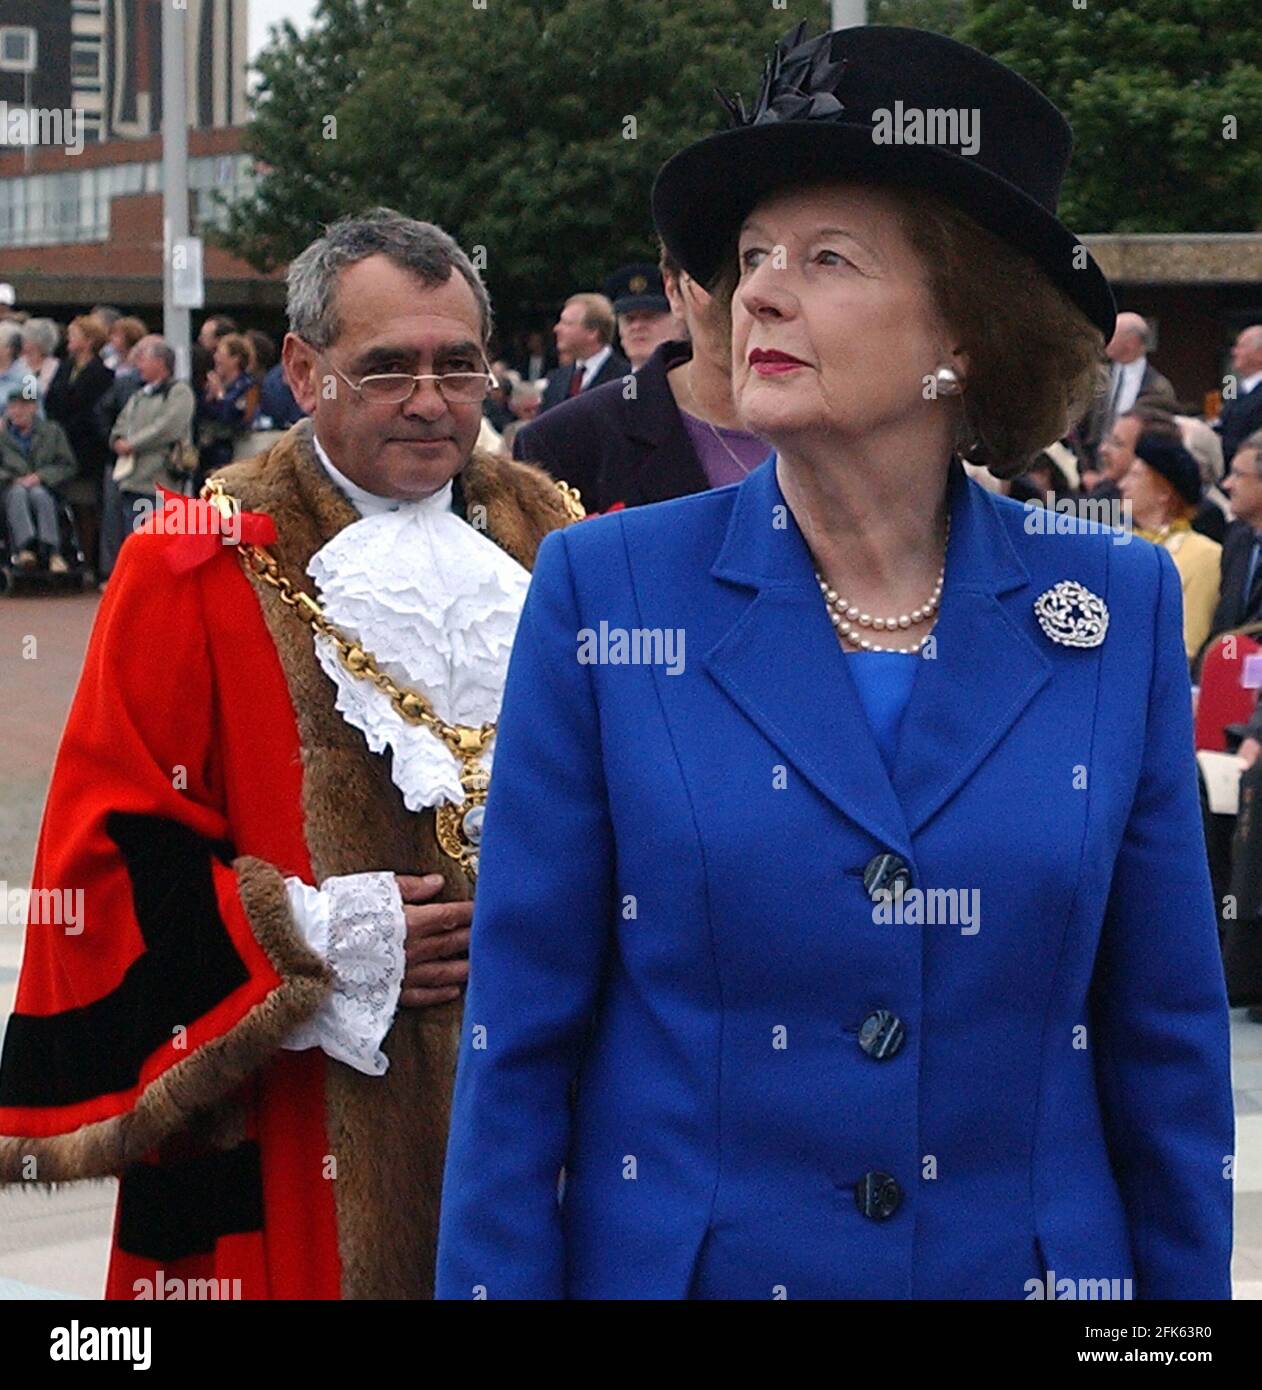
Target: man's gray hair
[157,346]
[44,333]
[420,248]
[1253,443]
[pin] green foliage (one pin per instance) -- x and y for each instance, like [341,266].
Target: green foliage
[1148,87]
[507,125]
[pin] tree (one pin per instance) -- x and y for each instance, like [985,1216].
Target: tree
[529,129]
[532,129]
[1165,99]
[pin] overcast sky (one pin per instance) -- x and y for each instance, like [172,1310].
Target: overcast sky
[265,12]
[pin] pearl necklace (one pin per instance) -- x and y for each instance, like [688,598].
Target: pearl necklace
[844,615]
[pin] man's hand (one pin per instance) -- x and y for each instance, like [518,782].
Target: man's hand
[29,479]
[1249,751]
[122,446]
[437,943]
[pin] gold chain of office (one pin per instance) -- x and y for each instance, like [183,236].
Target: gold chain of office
[458,829]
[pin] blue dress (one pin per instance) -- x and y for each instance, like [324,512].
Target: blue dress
[884,681]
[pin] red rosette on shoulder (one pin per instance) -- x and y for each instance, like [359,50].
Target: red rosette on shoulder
[197,528]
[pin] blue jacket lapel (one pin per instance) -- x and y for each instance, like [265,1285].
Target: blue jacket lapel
[983,671]
[782,665]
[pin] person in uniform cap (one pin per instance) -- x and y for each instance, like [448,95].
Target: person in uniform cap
[645,317]
[677,432]
[807,1026]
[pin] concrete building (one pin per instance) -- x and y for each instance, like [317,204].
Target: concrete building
[103,58]
[81,222]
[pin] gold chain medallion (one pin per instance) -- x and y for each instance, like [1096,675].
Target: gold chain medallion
[458,829]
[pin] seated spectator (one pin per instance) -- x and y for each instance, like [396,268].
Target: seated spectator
[35,460]
[39,345]
[1163,486]
[153,421]
[1207,449]
[1240,591]
[229,404]
[1053,474]
[1117,449]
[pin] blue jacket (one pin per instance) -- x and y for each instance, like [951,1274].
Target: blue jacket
[674,952]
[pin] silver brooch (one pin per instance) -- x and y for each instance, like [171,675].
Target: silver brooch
[1072,615]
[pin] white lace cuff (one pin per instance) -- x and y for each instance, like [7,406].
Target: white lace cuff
[354,922]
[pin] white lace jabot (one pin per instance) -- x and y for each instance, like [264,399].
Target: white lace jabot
[437,603]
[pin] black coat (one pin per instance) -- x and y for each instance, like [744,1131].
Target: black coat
[72,403]
[618,450]
[558,388]
[1232,612]
[1238,421]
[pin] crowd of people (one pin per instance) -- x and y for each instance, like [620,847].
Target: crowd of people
[97,419]
[900,699]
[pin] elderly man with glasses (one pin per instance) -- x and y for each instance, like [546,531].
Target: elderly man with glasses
[270,795]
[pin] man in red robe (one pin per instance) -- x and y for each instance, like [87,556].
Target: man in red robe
[253,1022]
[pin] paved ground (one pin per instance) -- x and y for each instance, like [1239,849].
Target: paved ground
[54,1244]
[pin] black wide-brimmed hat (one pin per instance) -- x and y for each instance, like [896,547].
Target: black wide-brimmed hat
[1169,458]
[862,104]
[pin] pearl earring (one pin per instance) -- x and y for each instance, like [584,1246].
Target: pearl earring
[947,382]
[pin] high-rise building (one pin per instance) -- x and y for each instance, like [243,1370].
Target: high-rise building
[104,59]
[81,210]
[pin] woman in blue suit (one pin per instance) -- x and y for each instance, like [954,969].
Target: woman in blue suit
[844,928]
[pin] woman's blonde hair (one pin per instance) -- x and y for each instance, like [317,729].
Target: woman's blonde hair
[239,346]
[93,329]
[1036,362]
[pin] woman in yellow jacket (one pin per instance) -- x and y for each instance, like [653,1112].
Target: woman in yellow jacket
[1163,486]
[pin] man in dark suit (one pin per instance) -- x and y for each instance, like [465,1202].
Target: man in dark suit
[1243,415]
[1240,594]
[584,335]
[1133,380]
[670,430]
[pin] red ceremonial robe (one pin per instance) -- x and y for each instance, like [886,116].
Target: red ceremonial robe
[202,763]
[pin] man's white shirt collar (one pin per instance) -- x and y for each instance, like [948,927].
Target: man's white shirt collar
[1132,376]
[591,365]
[1249,382]
[370,503]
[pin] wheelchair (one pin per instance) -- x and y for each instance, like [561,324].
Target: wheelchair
[15,581]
